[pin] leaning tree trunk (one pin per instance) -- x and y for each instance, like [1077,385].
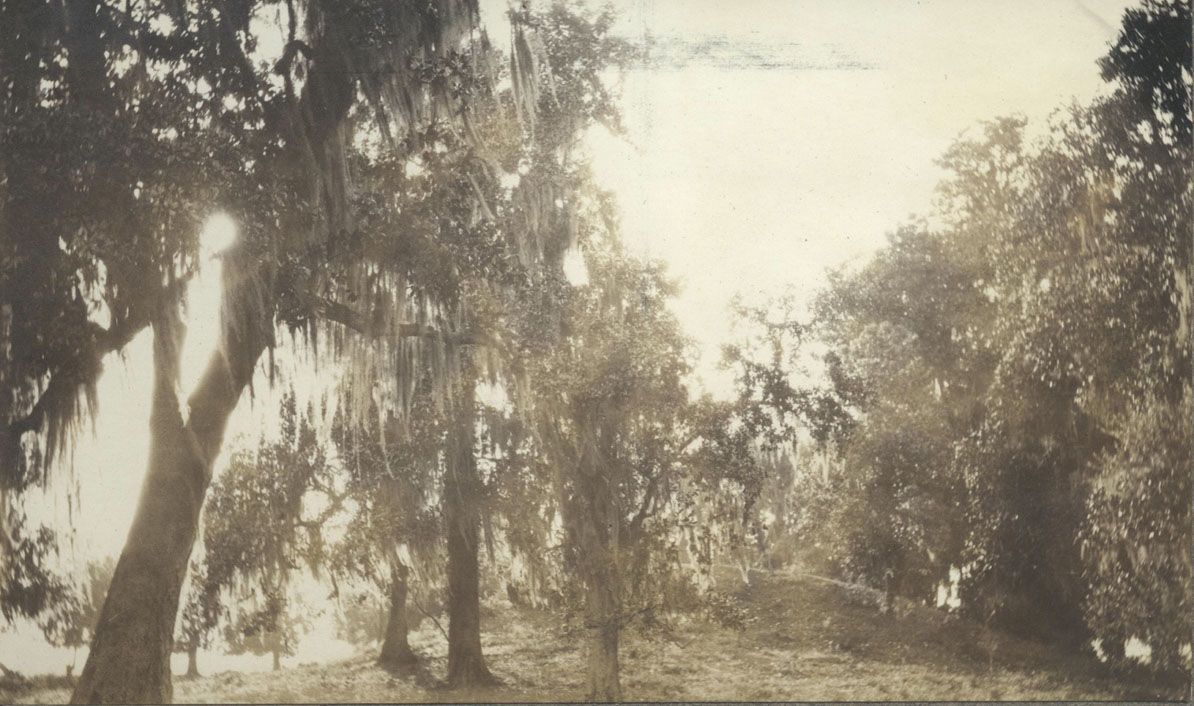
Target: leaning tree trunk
[462,495]
[193,662]
[129,661]
[395,649]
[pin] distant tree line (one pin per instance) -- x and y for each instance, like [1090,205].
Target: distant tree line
[1010,377]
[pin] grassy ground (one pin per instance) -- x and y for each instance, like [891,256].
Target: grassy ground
[803,639]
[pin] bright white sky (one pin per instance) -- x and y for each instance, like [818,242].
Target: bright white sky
[743,179]
[754,180]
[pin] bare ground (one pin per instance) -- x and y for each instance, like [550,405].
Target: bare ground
[802,639]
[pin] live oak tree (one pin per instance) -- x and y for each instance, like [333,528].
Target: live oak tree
[617,373]
[475,242]
[106,179]
[268,625]
[180,85]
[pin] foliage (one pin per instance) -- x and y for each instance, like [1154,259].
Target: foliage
[125,126]
[643,478]
[201,612]
[111,165]
[391,468]
[269,625]
[361,618]
[998,368]
[1151,58]
[772,403]
[1093,329]
[258,530]
[1008,389]
[907,359]
[75,626]
[1136,541]
[29,588]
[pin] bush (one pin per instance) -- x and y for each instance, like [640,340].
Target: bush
[1136,543]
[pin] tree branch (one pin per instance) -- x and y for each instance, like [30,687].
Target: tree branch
[351,319]
[647,506]
[293,47]
[103,342]
[429,615]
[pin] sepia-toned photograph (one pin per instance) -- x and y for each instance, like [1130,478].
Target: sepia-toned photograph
[481,351]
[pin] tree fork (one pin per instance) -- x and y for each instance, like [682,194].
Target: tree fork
[129,661]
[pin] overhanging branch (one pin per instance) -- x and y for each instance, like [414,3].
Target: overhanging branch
[353,320]
[102,342]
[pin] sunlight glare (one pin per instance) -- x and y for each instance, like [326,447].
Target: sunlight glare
[219,233]
[575,269]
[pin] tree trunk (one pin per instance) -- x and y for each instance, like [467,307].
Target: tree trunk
[277,660]
[466,664]
[889,591]
[129,661]
[595,528]
[130,654]
[395,650]
[603,633]
[600,537]
[193,662]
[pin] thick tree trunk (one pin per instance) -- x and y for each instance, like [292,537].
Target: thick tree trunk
[277,660]
[130,655]
[466,664]
[129,660]
[395,649]
[193,662]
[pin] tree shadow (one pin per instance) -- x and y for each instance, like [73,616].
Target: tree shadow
[413,668]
